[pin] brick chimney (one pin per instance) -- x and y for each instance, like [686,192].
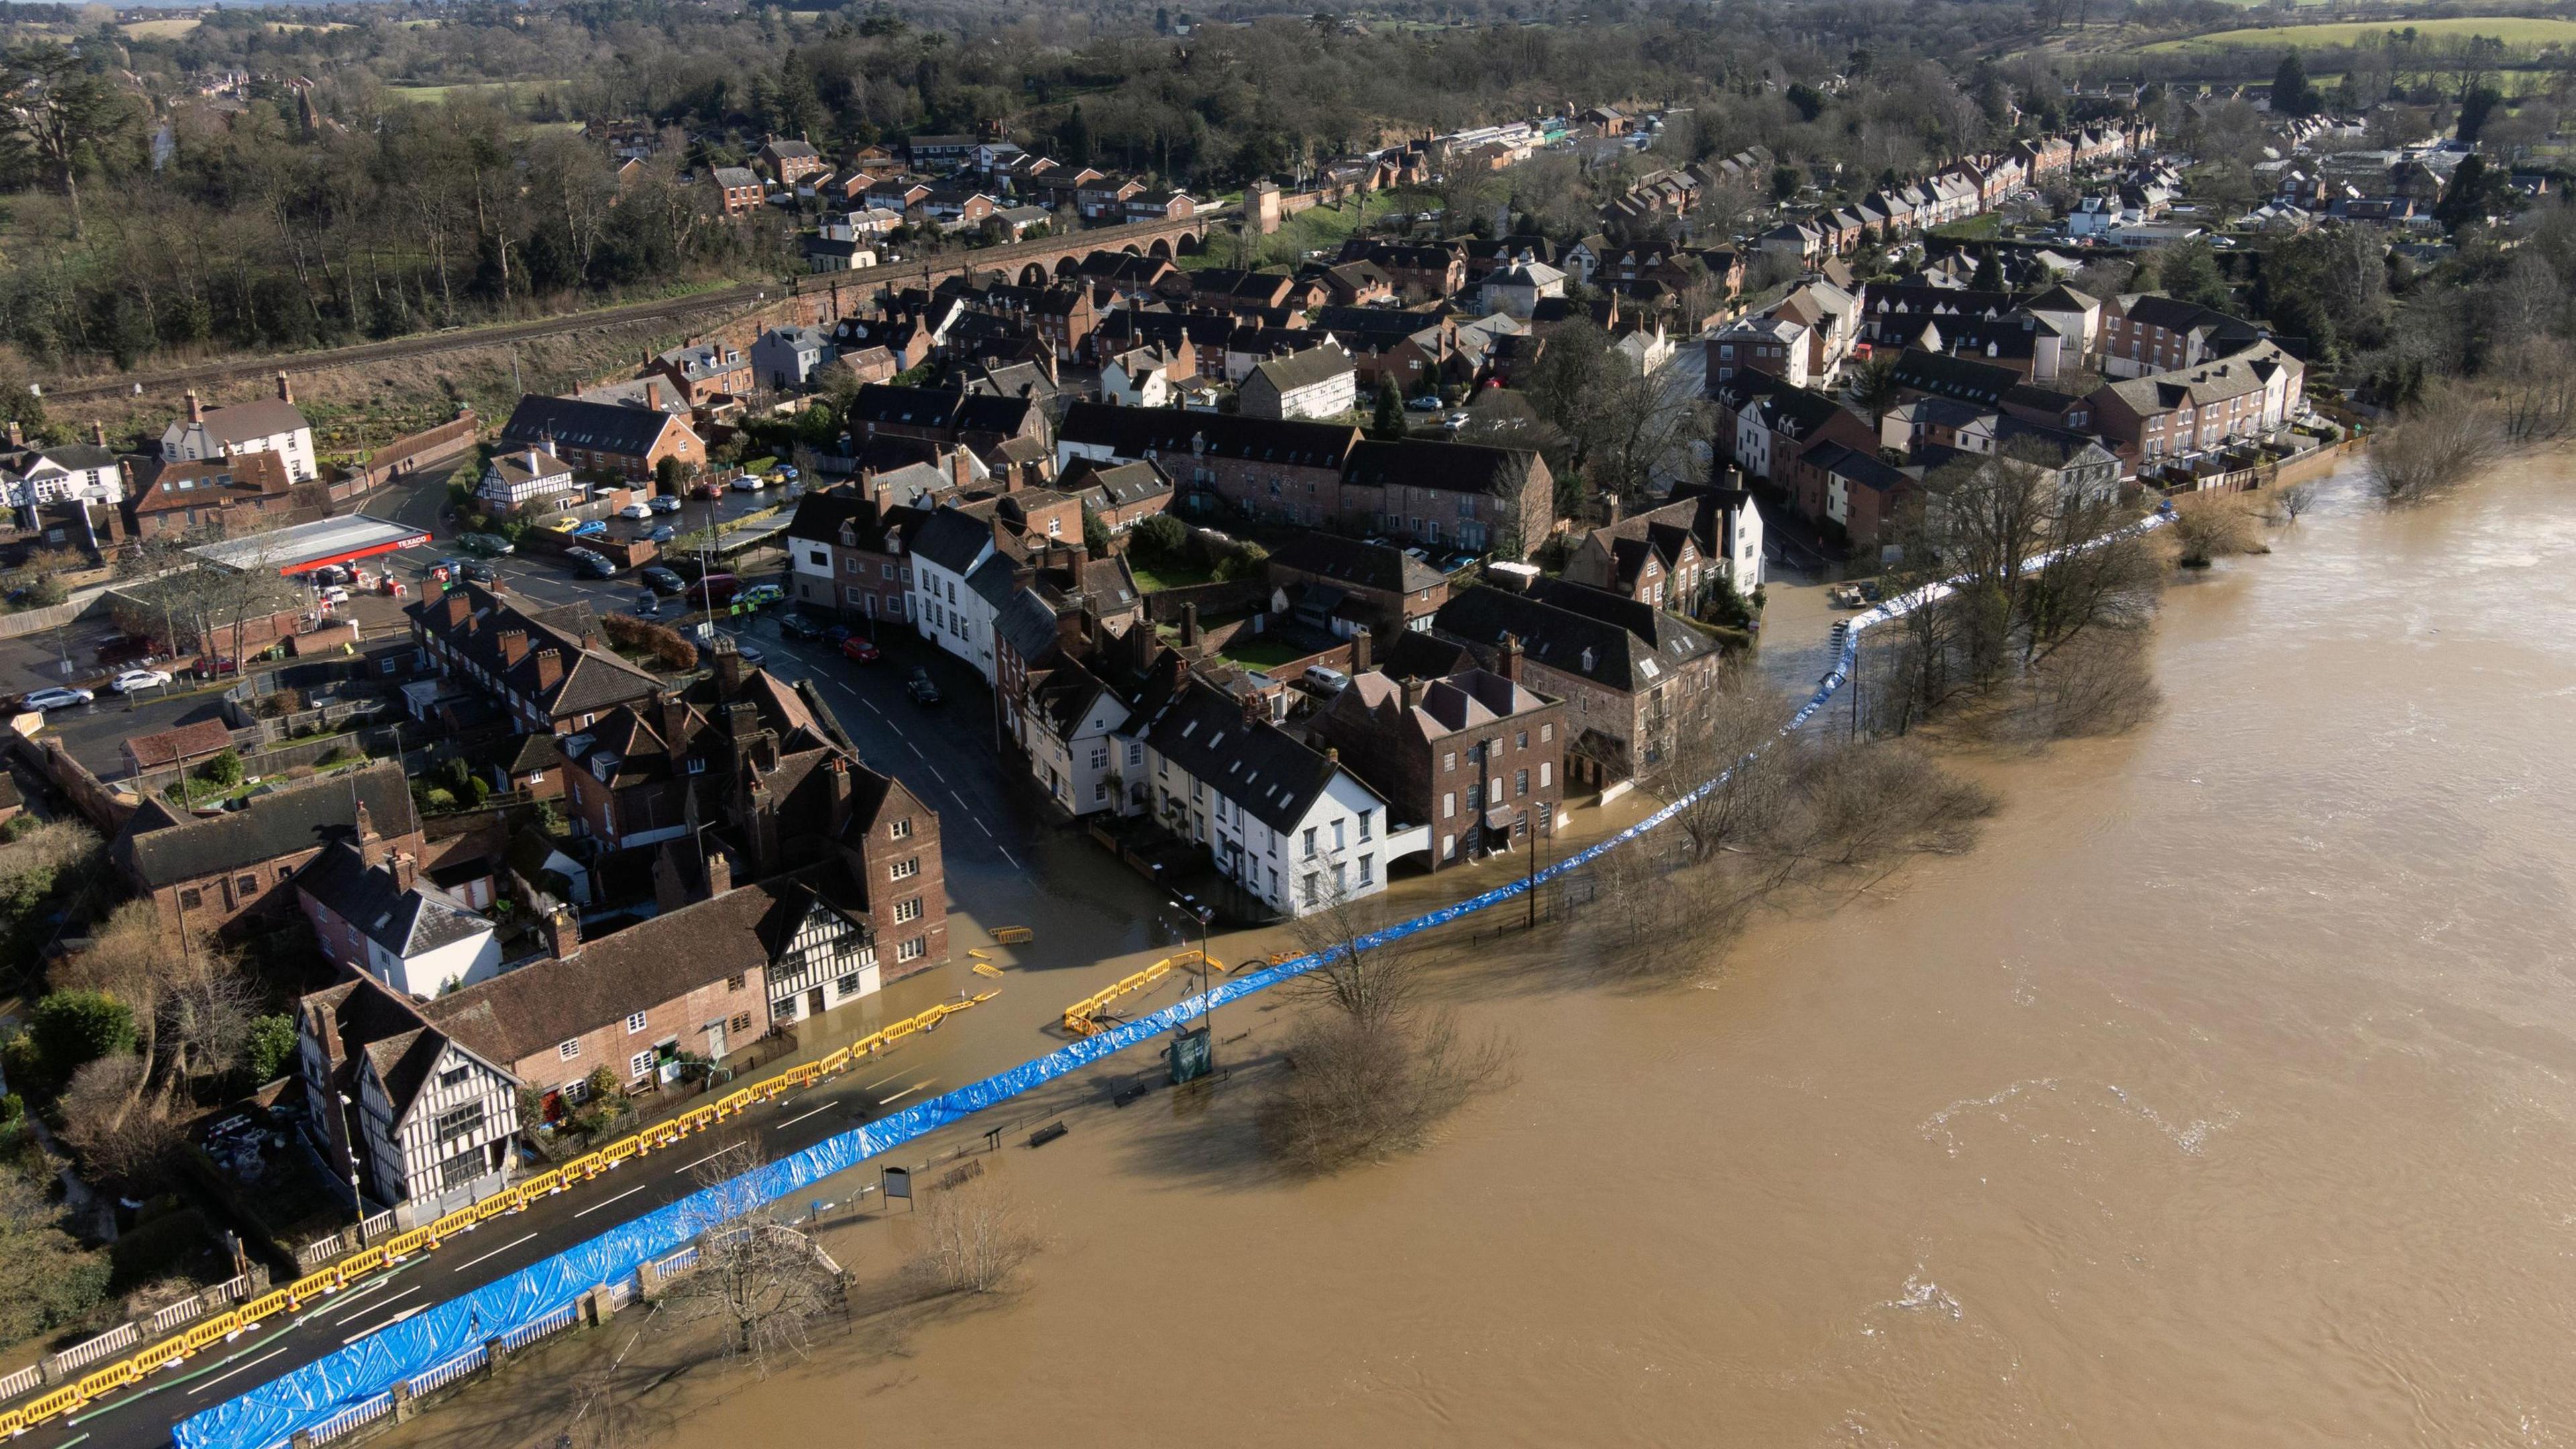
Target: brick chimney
[837,784]
[98,432]
[1363,651]
[1076,554]
[549,668]
[1412,692]
[1189,625]
[371,843]
[285,390]
[196,409]
[728,660]
[1256,708]
[406,871]
[675,720]
[563,933]
[1507,658]
[719,873]
[459,609]
[514,646]
[961,468]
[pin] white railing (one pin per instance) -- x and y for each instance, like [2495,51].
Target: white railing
[318,1252]
[370,1229]
[560,1319]
[176,1314]
[82,1354]
[450,1371]
[353,1418]
[679,1262]
[24,1381]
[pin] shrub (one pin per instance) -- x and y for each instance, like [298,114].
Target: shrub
[437,799]
[271,1049]
[1244,562]
[1158,536]
[224,771]
[70,1029]
[669,647]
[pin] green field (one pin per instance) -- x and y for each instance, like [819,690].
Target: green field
[2512,30]
[157,29]
[437,95]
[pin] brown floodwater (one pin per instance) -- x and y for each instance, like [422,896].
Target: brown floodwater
[2226,1094]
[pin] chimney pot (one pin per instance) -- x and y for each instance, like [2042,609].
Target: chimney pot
[1508,658]
[98,432]
[549,668]
[563,933]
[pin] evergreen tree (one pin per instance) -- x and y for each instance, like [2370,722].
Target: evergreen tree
[2291,93]
[1075,138]
[1990,273]
[1389,421]
[2476,192]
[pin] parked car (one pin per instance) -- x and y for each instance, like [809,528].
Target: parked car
[708,491]
[1427,403]
[661,580]
[860,651]
[664,534]
[635,510]
[596,528]
[921,689]
[664,504]
[714,591]
[646,606]
[45,699]
[799,627]
[750,483]
[760,596]
[330,574]
[591,563]
[835,633]
[134,679]
[565,524]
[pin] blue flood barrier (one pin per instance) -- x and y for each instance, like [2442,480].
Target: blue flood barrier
[270,1415]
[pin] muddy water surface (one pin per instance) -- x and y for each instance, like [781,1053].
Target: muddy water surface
[2225,1095]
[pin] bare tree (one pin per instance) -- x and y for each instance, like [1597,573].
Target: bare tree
[1363,1090]
[974,1238]
[2434,446]
[2214,526]
[763,1280]
[1369,982]
[134,1145]
[2293,499]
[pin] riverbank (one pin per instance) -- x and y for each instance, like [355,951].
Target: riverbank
[2221,1095]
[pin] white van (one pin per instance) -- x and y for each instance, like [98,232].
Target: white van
[1330,681]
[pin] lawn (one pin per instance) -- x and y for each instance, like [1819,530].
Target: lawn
[437,95]
[1167,576]
[1259,651]
[1984,226]
[157,29]
[1317,228]
[2512,30]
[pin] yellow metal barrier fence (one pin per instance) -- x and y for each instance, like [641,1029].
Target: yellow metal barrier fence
[331,1279]
[1082,1018]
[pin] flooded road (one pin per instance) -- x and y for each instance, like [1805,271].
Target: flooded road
[2226,1094]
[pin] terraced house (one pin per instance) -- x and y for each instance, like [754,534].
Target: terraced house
[548,670]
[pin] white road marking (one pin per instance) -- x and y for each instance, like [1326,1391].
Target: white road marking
[381,1327]
[350,1298]
[228,1373]
[406,1293]
[916,749]
[1006,855]
[792,1121]
[908,1091]
[710,1157]
[881,1081]
[934,770]
[872,704]
[979,824]
[603,1202]
[505,1247]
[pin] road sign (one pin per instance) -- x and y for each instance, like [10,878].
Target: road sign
[898,1182]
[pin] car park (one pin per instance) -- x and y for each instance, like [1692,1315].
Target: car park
[596,528]
[661,580]
[49,699]
[920,687]
[860,651]
[798,626]
[134,679]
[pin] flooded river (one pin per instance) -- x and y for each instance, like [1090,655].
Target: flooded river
[2225,1095]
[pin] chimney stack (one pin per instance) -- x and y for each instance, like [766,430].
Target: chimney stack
[1189,625]
[961,468]
[549,668]
[406,871]
[196,409]
[1507,658]
[98,432]
[1412,690]
[719,873]
[514,646]
[1256,709]
[728,668]
[459,609]
[17,435]
[563,933]
[1363,651]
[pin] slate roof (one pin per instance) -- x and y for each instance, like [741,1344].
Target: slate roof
[1353,561]
[598,427]
[1026,622]
[934,407]
[1116,485]
[243,422]
[592,680]
[1450,467]
[1253,763]
[404,922]
[952,539]
[1131,433]
[1285,375]
[1587,632]
[158,849]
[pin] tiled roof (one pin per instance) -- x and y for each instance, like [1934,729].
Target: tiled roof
[158,852]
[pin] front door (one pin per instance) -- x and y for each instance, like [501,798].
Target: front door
[814,1002]
[715,1041]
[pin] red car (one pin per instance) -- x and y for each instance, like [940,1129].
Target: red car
[859,651]
[714,591]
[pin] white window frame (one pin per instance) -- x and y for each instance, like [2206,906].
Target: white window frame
[568,1050]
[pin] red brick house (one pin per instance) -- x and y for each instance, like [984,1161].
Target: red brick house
[204,874]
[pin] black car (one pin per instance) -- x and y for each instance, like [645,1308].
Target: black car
[923,692]
[797,626]
[480,573]
[835,633]
[661,580]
